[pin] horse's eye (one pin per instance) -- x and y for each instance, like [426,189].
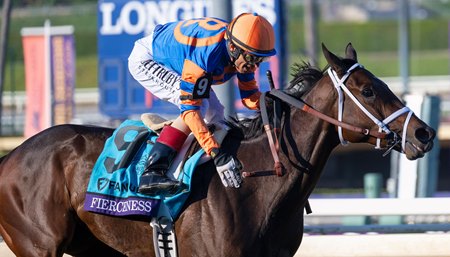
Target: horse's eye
[367,92]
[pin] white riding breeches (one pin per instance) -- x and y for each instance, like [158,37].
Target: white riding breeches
[163,82]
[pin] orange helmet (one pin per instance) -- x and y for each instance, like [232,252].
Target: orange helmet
[253,33]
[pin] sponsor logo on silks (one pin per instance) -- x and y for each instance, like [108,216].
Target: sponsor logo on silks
[104,183]
[161,75]
[120,206]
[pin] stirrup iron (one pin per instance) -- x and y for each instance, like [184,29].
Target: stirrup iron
[164,239]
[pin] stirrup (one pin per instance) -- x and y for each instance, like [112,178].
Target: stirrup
[164,239]
[165,186]
[161,189]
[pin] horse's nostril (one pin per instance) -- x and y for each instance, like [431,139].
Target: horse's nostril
[425,134]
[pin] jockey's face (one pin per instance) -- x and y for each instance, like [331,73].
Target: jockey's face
[246,62]
[244,67]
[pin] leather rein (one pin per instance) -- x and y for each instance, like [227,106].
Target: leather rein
[272,133]
[279,96]
[339,83]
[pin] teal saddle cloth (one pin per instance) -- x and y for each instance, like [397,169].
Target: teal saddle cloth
[113,185]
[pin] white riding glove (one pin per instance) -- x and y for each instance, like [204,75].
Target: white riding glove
[228,168]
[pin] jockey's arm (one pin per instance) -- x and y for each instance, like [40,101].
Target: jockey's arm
[195,84]
[249,90]
[196,124]
[190,107]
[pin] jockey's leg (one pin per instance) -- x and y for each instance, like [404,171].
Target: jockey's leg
[154,180]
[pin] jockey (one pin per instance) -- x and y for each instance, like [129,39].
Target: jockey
[178,62]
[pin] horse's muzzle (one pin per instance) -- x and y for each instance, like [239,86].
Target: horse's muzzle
[425,135]
[421,143]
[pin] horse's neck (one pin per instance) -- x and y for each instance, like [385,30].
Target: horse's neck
[265,209]
[306,144]
[304,148]
[314,137]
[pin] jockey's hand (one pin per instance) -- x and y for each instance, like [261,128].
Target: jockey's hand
[228,168]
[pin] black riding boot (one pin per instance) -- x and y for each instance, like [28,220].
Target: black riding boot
[153,180]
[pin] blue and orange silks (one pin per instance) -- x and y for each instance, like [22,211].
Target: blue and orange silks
[195,49]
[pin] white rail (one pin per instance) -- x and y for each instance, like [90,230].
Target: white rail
[380,206]
[377,229]
[391,245]
[419,240]
[417,85]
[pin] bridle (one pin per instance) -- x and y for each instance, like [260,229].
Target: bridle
[339,84]
[383,131]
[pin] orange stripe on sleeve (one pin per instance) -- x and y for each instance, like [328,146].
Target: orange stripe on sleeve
[191,71]
[252,102]
[196,124]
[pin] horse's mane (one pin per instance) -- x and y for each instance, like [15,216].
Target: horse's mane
[304,76]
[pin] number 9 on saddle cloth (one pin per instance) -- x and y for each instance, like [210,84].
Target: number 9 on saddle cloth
[113,186]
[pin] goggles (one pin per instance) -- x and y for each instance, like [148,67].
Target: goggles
[252,59]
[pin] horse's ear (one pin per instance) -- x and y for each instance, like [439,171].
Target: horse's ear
[334,61]
[350,53]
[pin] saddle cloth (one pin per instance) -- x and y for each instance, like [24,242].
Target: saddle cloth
[113,185]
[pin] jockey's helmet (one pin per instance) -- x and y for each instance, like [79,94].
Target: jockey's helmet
[252,33]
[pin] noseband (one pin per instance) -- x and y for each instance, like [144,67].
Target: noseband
[339,84]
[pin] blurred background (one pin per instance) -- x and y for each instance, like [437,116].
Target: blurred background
[373,27]
[405,43]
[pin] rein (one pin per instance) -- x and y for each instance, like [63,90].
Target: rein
[383,131]
[273,143]
[306,108]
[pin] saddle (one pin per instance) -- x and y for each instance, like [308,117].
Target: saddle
[154,121]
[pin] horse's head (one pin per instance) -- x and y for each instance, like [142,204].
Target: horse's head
[364,101]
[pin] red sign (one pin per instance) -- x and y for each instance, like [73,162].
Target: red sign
[49,58]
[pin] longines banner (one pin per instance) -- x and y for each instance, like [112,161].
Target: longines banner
[121,22]
[49,58]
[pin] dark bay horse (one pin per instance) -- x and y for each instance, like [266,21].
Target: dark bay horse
[43,181]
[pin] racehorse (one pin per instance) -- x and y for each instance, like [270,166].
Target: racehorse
[43,181]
